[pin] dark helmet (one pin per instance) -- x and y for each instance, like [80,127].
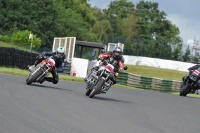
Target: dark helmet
[117,51]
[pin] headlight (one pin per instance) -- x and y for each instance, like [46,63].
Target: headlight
[193,77]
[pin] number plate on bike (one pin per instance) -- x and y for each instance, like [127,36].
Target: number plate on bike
[110,68]
[51,62]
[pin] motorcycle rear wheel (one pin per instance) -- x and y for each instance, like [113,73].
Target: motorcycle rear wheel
[96,88]
[32,78]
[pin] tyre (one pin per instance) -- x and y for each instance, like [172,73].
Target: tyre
[96,88]
[31,79]
[184,90]
[88,91]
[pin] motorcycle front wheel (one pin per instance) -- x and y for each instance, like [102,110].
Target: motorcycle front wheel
[32,78]
[96,88]
[184,90]
[88,91]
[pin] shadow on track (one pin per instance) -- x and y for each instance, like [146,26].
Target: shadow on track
[50,87]
[191,97]
[110,99]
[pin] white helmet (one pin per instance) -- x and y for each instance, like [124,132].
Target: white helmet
[60,51]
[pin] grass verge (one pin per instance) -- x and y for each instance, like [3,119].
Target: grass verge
[20,72]
[167,74]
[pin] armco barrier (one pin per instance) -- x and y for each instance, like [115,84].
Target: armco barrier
[11,57]
[150,83]
[123,77]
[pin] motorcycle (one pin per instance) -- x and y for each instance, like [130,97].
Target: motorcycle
[189,84]
[99,82]
[41,71]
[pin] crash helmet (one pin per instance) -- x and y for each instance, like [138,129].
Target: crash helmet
[60,51]
[117,51]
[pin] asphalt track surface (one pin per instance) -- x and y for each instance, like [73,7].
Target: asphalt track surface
[64,108]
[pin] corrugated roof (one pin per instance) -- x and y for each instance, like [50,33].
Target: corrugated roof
[90,44]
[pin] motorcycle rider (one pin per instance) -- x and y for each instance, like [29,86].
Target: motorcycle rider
[59,57]
[115,58]
[195,67]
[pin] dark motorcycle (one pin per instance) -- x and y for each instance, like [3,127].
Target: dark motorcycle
[189,84]
[41,71]
[99,82]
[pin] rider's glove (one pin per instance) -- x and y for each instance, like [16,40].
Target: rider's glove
[41,56]
[120,69]
[100,57]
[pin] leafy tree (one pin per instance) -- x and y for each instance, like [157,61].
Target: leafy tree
[186,56]
[36,16]
[151,20]
[80,7]
[50,18]
[102,27]
[116,12]
[76,26]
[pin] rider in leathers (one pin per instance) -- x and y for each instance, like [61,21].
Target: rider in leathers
[115,58]
[193,68]
[59,57]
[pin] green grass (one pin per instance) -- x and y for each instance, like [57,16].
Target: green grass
[156,72]
[20,72]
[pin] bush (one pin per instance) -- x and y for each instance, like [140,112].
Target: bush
[22,37]
[4,38]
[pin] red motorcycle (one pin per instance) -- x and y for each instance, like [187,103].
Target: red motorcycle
[41,71]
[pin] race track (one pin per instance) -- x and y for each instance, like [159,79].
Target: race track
[64,108]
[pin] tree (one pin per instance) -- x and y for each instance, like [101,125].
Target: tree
[151,20]
[186,56]
[76,26]
[48,18]
[116,12]
[102,27]
[36,16]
